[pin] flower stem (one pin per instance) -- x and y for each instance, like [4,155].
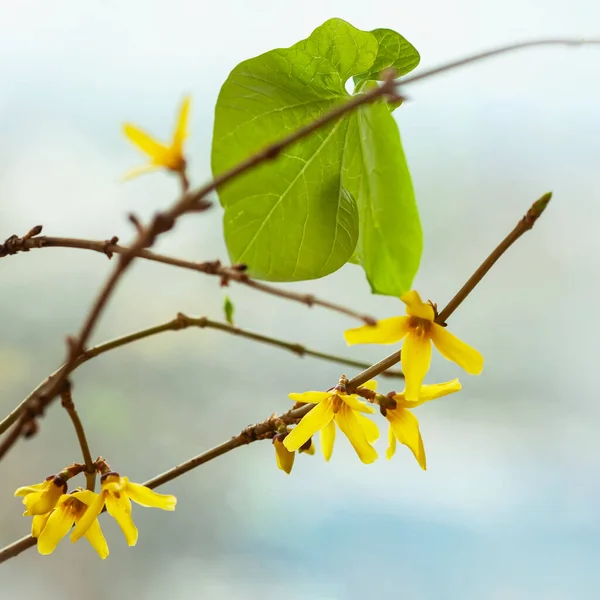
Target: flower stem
[66,397]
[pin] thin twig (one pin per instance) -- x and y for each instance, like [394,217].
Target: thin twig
[165,221]
[294,414]
[495,52]
[17,547]
[253,433]
[180,322]
[524,225]
[66,396]
[269,426]
[15,244]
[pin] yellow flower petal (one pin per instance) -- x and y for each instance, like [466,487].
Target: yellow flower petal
[40,499]
[369,427]
[327,437]
[355,403]
[89,516]
[391,443]
[415,307]
[309,397]
[139,171]
[57,526]
[38,523]
[31,489]
[181,128]
[416,358]
[386,331]
[457,351]
[120,510]
[429,392]
[145,142]
[144,496]
[346,420]
[406,429]
[85,496]
[285,458]
[313,421]
[97,540]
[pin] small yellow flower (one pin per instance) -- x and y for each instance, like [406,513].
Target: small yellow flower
[404,426]
[161,155]
[117,493]
[41,498]
[419,329]
[335,407]
[285,458]
[51,528]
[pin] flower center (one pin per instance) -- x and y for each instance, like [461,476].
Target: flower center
[337,403]
[75,506]
[421,327]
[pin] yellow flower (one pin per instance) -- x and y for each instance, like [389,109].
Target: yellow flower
[41,498]
[161,155]
[117,493]
[419,329]
[335,407]
[404,426]
[70,508]
[285,458]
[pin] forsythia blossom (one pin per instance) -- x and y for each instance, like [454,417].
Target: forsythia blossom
[335,407]
[285,458]
[51,528]
[418,330]
[41,498]
[404,426]
[117,493]
[161,155]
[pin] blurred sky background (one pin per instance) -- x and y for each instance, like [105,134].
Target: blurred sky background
[509,508]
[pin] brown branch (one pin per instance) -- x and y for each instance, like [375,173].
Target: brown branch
[17,547]
[67,403]
[15,244]
[268,427]
[495,52]
[253,433]
[165,221]
[524,225]
[180,322]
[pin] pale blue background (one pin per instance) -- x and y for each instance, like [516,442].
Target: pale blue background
[509,509]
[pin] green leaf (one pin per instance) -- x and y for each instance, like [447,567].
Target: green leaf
[290,219]
[376,173]
[297,217]
[395,52]
[228,309]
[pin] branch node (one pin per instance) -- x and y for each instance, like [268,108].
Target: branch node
[162,223]
[33,232]
[273,151]
[181,321]
[299,349]
[136,223]
[536,210]
[309,300]
[30,428]
[108,246]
